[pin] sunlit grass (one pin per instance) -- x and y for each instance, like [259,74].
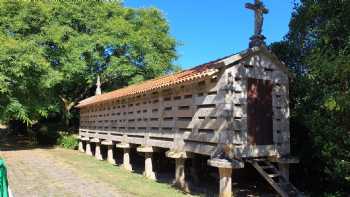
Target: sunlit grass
[122,180]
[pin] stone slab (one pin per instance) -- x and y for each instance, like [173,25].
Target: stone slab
[95,140]
[223,163]
[107,142]
[84,138]
[122,145]
[177,154]
[147,149]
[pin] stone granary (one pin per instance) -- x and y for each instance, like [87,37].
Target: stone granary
[234,109]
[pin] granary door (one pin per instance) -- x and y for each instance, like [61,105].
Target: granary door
[260,125]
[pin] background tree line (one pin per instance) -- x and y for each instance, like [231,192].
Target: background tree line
[317,51]
[51,53]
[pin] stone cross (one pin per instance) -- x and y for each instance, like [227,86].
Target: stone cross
[259,9]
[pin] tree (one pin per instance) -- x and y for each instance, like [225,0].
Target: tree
[317,48]
[52,52]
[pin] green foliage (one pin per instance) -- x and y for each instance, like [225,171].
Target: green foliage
[50,53]
[317,48]
[68,141]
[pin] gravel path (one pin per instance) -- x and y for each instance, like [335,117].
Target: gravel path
[36,173]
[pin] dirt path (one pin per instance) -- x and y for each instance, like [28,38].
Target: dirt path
[37,173]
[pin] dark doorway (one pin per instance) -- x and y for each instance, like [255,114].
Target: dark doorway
[260,125]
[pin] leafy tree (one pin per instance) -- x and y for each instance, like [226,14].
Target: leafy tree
[317,48]
[51,53]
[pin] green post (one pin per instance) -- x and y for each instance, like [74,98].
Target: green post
[3,180]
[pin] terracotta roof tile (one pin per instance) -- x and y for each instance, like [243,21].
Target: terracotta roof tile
[193,74]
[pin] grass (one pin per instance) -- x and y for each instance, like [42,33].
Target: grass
[116,176]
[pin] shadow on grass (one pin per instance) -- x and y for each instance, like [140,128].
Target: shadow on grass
[16,143]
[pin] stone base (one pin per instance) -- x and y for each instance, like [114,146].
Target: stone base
[150,175]
[257,41]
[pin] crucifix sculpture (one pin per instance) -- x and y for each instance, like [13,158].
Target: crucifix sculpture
[259,9]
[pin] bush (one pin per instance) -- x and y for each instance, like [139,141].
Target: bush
[68,141]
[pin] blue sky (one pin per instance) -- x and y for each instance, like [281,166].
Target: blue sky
[210,29]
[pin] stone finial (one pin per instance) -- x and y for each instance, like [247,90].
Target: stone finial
[259,9]
[98,86]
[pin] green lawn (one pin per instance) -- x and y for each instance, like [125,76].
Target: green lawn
[121,179]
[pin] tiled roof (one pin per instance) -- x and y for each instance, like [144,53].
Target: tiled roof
[193,74]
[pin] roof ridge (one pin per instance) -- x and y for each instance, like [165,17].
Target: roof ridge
[191,74]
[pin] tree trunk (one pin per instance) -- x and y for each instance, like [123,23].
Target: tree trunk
[67,107]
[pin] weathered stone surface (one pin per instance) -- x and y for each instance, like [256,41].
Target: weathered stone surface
[98,154]
[223,163]
[177,154]
[95,140]
[107,142]
[149,167]
[88,148]
[147,149]
[225,182]
[84,138]
[110,155]
[81,147]
[122,145]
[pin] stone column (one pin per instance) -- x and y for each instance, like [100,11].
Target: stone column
[225,171]
[110,155]
[126,156]
[88,148]
[148,162]
[225,182]
[81,143]
[180,176]
[98,154]
[81,147]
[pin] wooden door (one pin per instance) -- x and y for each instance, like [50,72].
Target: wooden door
[260,125]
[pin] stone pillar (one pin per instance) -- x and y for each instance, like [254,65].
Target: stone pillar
[225,182]
[81,143]
[284,169]
[98,154]
[126,156]
[110,155]
[148,162]
[225,172]
[88,148]
[81,147]
[180,176]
